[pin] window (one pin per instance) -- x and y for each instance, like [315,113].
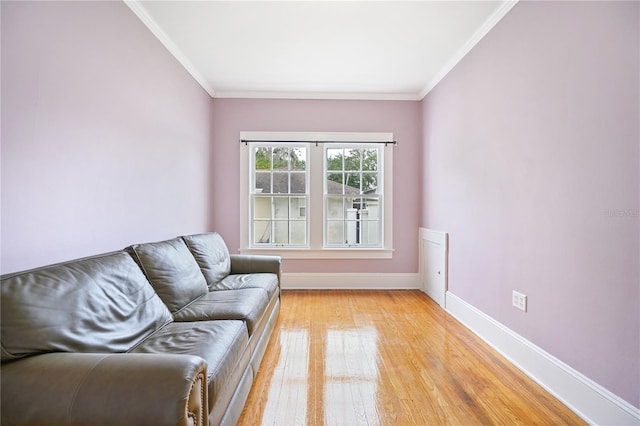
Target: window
[316,195]
[352,196]
[279,193]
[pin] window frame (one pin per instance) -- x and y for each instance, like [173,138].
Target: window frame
[316,248]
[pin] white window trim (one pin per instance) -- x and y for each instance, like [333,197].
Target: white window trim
[315,249]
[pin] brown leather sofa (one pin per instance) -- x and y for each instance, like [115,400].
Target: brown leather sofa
[164,333]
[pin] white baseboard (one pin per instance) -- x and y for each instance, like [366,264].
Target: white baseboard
[586,398]
[362,281]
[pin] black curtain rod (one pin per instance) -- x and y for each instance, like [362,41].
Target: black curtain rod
[247,141]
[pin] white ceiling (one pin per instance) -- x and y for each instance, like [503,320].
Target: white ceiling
[319,49]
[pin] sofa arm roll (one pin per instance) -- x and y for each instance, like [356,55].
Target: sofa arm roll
[103,389]
[250,264]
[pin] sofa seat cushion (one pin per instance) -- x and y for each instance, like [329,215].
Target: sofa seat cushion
[247,304]
[172,271]
[267,282]
[98,304]
[211,254]
[222,344]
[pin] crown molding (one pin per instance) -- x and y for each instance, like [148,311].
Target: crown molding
[319,95]
[139,10]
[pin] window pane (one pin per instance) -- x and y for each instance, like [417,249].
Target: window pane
[370,183]
[281,207]
[335,208]
[298,159]
[352,231]
[352,184]
[262,208]
[280,183]
[263,183]
[297,207]
[334,183]
[298,183]
[281,232]
[261,231]
[280,158]
[369,231]
[369,159]
[334,159]
[298,232]
[335,233]
[352,159]
[263,158]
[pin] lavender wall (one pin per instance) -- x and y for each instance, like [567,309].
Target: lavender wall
[231,116]
[105,136]
[531,163]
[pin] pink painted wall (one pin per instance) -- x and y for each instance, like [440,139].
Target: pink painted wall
[531,163]
[231,116]
[105,136]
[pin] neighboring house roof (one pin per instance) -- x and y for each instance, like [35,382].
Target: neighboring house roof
[263,182]
[336,188]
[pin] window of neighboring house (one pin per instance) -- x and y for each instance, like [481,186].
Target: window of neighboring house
[306,195]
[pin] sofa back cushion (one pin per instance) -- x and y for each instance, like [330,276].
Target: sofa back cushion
[212,255]
[98,304]
[172,271]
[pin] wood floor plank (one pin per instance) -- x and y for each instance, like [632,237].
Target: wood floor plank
[358,357]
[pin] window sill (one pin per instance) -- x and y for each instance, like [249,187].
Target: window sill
[334,253]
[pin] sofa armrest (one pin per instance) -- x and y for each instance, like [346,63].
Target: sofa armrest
[100,389]
[249,264]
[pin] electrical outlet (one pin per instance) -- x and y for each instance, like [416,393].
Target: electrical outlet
[519,301]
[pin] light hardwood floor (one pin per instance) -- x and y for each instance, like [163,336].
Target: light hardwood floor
[387,358]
